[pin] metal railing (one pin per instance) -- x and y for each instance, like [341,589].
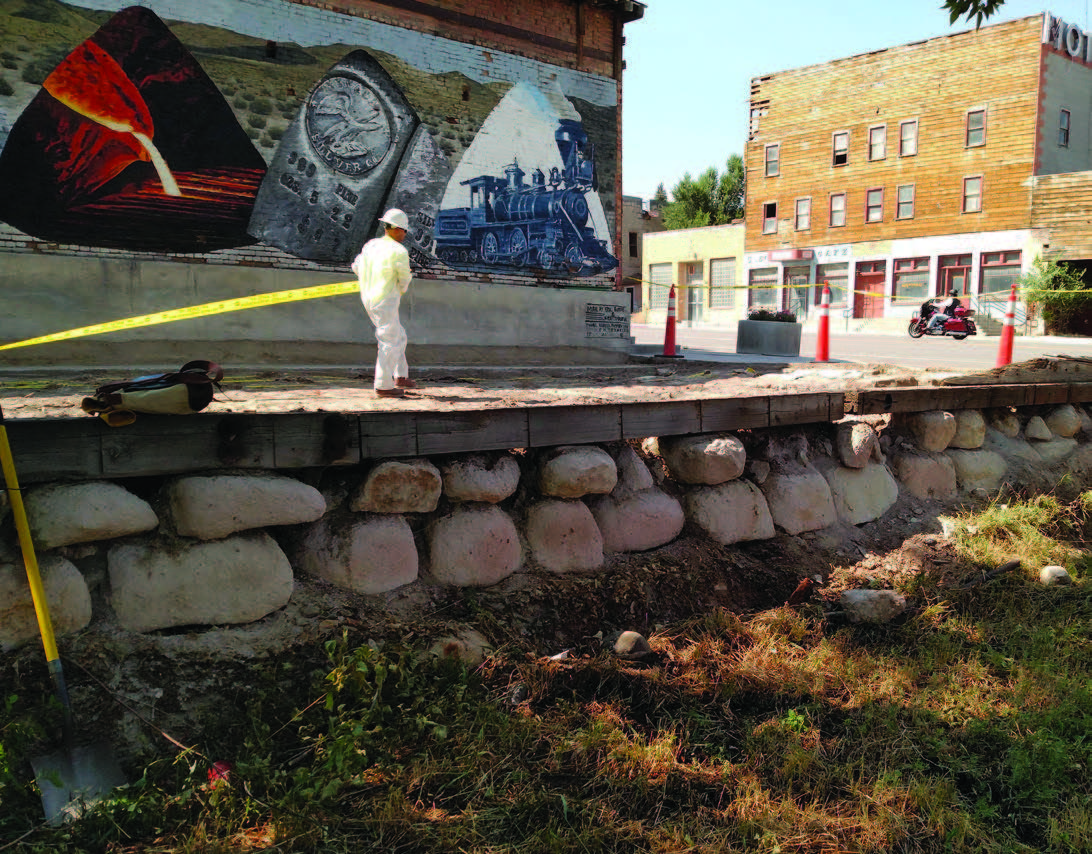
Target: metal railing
[993,306]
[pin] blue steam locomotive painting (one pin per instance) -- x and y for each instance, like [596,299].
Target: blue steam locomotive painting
[543,224]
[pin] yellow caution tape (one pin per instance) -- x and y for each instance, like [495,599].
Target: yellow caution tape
[996,296]
[190,312]
[276,298]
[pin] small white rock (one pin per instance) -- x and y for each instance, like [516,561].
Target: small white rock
[872,606]
[468,646]
[949,526]
[631,645]
[1054,575]
[1037,429]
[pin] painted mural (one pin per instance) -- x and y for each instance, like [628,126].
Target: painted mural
[129,144]
[550,222]
[180,127]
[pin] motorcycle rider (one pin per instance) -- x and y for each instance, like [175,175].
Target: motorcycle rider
[945,310]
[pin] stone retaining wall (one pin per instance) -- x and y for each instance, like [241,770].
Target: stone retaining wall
[226,548]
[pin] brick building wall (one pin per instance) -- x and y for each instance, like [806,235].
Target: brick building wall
[916,170]
[936,84]
[577,35]
[636,222]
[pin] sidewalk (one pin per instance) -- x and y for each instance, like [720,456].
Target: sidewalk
[654,352]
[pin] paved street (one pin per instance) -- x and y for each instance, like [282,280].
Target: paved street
[972,354]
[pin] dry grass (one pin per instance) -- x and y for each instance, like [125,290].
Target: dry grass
[964,728]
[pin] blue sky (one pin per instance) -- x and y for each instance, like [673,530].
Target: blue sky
[690,64]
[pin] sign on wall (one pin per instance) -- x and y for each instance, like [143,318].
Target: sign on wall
[606,321]
[171,126]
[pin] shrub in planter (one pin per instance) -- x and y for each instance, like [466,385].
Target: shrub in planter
[769,332]
[783,316]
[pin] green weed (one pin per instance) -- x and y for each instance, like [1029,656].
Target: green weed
[966,728]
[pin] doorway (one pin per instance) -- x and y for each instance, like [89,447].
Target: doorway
[796,290]
[695,291]
[869,287]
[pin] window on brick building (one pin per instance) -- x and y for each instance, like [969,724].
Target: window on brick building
[773,160]
[837,210]
[841,148]
[999,271]
[763,288]
[911,279]
[905,208]
[953,273]
[803,214]
[634,244]
[972,194]
[659,277]
[835,275]
[1063,129]
[976,128]
[877,142]
[874,205]
[769,218]
[908,138]
[722,282]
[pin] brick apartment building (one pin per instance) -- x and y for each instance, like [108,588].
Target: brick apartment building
[281,130]
[636,222]
[898,174]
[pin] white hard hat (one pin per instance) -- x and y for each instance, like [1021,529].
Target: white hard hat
[396,218]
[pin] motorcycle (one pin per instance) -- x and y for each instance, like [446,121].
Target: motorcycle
[958,327]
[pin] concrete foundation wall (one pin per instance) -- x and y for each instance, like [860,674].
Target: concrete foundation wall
[448,322]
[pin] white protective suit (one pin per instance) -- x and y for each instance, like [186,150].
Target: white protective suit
[384,273]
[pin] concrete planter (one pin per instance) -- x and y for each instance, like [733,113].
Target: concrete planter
[768,337]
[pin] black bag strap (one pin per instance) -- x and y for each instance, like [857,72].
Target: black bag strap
[211,370]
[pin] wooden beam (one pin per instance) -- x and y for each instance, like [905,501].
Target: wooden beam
[48,449]
[661,419]
[1051,393]
[806,408]
[925,398]
[86,448]
[488,429]
[167,444]
[738,413]
[316,439]
[573,425]
[388,434]
[1080,392]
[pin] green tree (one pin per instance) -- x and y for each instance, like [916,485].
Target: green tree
[714,198]
[977,9]
[1060,290]
[659,198]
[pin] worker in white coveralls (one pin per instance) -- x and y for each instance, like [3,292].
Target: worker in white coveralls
[384,273]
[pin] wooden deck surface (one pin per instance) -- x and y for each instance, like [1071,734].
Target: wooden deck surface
[284,421]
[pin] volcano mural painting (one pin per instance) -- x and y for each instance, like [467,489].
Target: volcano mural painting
[129,144]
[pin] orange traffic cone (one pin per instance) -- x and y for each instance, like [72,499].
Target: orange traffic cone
[669,330]
[822,344]
[1008,331]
